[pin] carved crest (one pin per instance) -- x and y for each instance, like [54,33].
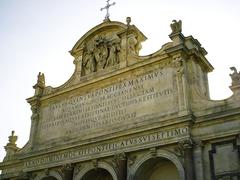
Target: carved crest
[101,52]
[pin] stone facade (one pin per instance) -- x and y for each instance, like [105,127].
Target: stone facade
[122,116]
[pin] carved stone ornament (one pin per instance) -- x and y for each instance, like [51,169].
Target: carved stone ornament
[182,146]
[40,81]
[11,147]
[40,85]
[133,45]
[153,152]
[67,167]
[131,160]
[12,139]
[101,52]
[186,144]
[176,26]
[119,157]
[77,169]
[46,172]
[95,163]
[235,76]
[177,63]
[128,20]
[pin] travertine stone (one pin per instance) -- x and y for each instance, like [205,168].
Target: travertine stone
[11,147]
[122,116]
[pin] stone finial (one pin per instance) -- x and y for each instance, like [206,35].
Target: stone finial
[40,80]
[11,146]
[235,76]
[40,84]
[176,26]
[235,87]
[107,9]
[176,35]
[128,20]
[12,139]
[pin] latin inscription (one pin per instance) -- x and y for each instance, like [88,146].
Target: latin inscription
[105,107]
[108,147]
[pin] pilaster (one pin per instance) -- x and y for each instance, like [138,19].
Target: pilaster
[198,160]
[187,147]
[67,171]
[121,165]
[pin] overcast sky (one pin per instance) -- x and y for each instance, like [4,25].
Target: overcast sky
[36,36]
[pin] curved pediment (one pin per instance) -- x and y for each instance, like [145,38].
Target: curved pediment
[105,46]
[106,29]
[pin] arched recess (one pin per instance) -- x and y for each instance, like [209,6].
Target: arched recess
[105,167]
[163,157]
[52,175]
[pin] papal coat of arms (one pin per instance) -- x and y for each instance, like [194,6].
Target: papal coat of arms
[100,53]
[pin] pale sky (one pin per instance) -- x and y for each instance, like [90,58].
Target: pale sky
[36,36]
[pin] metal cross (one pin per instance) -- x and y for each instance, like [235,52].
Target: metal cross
[107,8]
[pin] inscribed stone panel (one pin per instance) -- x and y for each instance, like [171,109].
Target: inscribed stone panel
[108,109]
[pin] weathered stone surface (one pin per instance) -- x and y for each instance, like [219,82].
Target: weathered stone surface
[99,111]
[122,116]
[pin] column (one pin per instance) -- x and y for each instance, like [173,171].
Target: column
[121,164]
[67,171]
[187,146]
[198,161]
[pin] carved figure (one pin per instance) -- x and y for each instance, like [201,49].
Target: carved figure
[41,80]
[178,64]
[89,62]
[113,57]
[235,76]
[132,42]
[176,26]
[101,51]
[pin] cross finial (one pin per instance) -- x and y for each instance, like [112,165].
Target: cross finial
[107,8]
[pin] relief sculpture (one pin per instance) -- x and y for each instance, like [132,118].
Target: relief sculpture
[89,63]
[100,53]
